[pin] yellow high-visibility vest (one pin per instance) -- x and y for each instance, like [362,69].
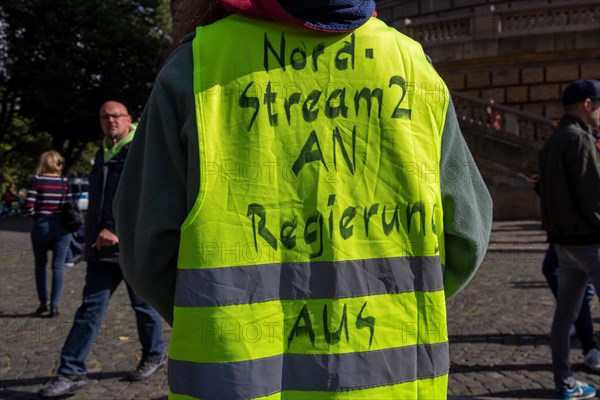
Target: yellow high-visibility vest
[310,266]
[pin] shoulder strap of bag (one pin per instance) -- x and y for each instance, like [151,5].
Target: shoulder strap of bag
[62,197]
[65,190]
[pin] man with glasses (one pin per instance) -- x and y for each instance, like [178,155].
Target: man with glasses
[570,200]
[103,270]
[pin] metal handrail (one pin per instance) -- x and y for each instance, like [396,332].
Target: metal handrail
[439,28]
[500,107]
[494,118]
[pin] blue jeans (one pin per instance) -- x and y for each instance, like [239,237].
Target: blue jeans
[584,327]
[49,233]
[100,283]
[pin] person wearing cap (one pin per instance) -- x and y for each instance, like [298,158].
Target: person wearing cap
[322,206]
[570,203]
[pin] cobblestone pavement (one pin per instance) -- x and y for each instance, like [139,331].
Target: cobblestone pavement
[498,326]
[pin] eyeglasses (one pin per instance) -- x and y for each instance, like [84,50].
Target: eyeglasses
[114,116]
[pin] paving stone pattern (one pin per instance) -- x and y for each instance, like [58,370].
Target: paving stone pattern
[498,326]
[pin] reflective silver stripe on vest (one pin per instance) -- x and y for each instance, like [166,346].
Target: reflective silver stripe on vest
[308,372]
[211,287]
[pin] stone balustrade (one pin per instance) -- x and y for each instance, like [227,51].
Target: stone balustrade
[517,53]
[500,21]
[506,64]
[499,119]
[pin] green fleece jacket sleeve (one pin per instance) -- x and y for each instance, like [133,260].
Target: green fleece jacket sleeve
[159,185]
[467,206]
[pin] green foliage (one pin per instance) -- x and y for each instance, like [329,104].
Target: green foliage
[20,154]
[84,163]
[60,60]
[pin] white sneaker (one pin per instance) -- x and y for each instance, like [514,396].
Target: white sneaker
[592,360]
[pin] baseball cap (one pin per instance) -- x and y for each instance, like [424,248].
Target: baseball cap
[580,90]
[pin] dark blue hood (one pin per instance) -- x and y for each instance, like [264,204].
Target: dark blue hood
[322,15]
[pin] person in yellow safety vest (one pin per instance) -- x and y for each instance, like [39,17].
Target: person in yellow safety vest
[299,204]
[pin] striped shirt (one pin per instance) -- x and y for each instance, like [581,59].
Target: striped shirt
[47,194]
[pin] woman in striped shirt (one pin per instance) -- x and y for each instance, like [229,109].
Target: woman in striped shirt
[48,192]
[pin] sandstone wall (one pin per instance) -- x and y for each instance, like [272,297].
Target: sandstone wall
[518,53]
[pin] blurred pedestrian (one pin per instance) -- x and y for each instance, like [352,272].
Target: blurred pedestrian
[47,193]
[76,248]
[497,124]
[9,196]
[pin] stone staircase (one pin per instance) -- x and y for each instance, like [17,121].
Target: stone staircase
[505,143]
[520,53]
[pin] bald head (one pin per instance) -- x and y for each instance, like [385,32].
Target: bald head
[114,120]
